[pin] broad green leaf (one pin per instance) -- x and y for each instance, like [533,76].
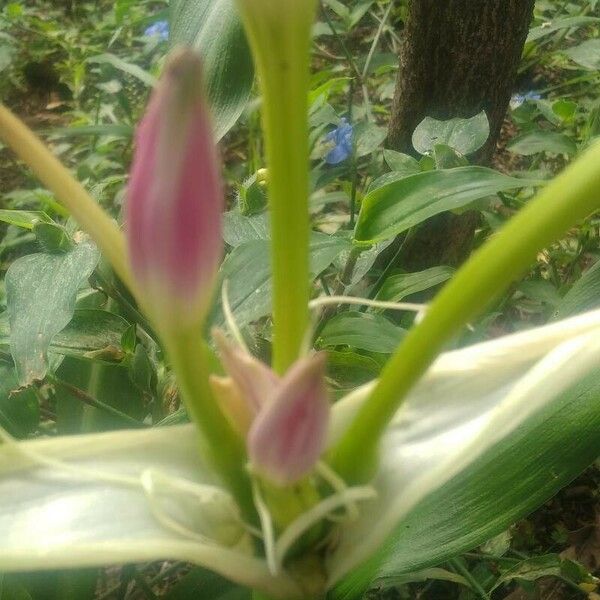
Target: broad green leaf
[248,273]
[463,135]
[542,141]
[91,333]
[584,295]
[398,287]
[214,29]
[535,33]
[402,163]
[24,218]
[586,54]
[124,66]
[398,206]
[6,56]
[364,331]
[506,423]
[368,137]
[41,291]
[239,229]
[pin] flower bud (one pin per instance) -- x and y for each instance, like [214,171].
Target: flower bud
[289,434]
[175,199]
[284,419]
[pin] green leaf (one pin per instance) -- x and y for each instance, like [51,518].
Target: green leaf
[435,574]
[368,138]
[349,370]
[584,295]
[24,218]
[463,135]
[248,273]
[587,55]
[363,331]
[402,163]
[535,33]
[41,291]
[398,287]
[400,205]
[239,229]
[214,29]
[124,66]
[531,569]
[542,141]
[515,475]
[90,333]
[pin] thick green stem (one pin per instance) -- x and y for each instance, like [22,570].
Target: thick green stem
[101,228]
[279,34]
[569,198]
[226,450]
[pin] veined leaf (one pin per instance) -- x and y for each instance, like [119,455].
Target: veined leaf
[506,423]
[41,291]
[214,29]
[248,272]
[463,135]
[364,331]
[400,205]
[89,331]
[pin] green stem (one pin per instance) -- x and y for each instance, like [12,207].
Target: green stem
[568,199]
[280,40]
[101,228]
[226,450]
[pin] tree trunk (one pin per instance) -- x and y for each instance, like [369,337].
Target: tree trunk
[459,57]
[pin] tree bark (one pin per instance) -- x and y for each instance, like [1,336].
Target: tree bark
[459,57]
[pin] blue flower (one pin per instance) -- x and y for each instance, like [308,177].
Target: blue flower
[518,99]
[341,138]
[159,29]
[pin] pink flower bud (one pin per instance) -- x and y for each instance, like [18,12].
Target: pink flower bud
[175,199]
[289,434]
[285,420]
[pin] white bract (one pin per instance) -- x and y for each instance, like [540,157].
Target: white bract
[133,496]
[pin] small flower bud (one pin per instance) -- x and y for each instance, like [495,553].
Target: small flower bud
[283,419]
[288,436]
[175,199]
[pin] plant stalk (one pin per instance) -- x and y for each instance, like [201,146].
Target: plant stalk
[280,40]
[225,449]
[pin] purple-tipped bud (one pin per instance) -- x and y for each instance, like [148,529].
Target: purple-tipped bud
[175,199]
[288,436]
